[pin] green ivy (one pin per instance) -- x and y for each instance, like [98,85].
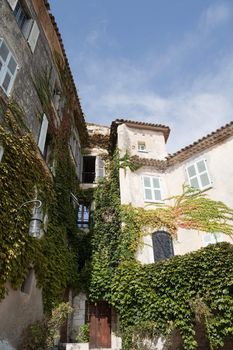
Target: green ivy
[159,298]
[55,256]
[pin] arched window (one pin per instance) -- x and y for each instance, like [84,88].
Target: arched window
[162,245]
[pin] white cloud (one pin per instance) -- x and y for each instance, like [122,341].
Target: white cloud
[215,15]
[196,103]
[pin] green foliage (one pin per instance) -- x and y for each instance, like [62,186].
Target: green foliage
[165,293]
[83,335]
[55,256]
[128,162]
[165,296]
[43,89]
[106,234]
[42,335]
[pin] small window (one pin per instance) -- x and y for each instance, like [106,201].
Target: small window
[83,217]
[162,245]
[152,189]
[141,147]
[198,175]
[8,67]
[211,238]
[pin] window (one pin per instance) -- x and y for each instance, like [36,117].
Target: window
[152,189]
[21,16]
[162,245]
[88,169]
[27,25]
[93,168]
[141,147]
[198,175]
[211,238]
[8,67]
[83,216]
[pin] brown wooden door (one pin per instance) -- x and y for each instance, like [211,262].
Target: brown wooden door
[100,325]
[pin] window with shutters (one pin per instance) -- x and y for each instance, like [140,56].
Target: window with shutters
[152,189]
[22,18]
[198,175]
[8,68]
[162,245]
[27,25]
[83,216]
[211,238]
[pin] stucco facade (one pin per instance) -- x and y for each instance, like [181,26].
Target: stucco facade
[172,178]
[18,310]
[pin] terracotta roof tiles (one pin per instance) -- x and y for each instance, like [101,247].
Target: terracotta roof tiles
[202,144]
[206,142]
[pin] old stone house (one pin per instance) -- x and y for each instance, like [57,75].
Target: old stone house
[31,51]
[32,61]
[203,164]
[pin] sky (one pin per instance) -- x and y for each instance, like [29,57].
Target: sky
[161,61]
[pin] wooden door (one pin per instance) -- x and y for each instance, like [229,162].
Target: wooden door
[100,325]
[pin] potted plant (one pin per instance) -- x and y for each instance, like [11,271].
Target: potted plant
[82,339]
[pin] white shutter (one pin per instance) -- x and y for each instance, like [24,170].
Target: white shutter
[12,3]
[43,133]
[99,167]
[33,36]
[148,194]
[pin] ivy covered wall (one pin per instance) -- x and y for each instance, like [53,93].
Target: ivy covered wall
[174,295]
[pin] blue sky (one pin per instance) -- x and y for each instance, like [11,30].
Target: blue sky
[160,61]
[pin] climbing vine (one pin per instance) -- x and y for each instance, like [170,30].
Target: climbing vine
[159,298]
[23,175]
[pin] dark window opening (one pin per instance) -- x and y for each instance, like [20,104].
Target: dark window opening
[83,216]
[162,245]
[88,169]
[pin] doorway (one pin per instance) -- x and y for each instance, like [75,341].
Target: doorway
[100,325]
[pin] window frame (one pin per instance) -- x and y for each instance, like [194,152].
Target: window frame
[198,174]
[140,143]
[4,70]
[153,200]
